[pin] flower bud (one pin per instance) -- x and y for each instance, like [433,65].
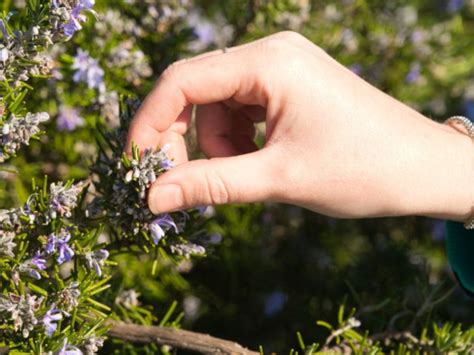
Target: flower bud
[151,176]
[136,173]
[4,54]
[129,176]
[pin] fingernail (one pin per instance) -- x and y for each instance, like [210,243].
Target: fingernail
[165,198]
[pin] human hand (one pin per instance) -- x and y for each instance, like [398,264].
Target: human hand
[334,143]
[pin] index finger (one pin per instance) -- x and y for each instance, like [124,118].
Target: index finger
[210,79]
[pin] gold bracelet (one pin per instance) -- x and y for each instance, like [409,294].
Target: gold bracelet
[465,126]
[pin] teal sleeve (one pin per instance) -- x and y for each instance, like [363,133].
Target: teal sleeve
[460,247]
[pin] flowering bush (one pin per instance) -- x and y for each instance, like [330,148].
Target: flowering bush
[55,247]
[80,250]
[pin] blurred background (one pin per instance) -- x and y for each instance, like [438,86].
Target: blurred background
[274,269]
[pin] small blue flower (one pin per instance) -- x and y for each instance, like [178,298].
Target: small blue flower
[38,261]
[206,211]
[156,232]
[215,238]
[76,17]
[414,73]
[274,303]
[68,349]
[50,318]
[166,164]
[69,119]
[31,266]
[356,69]
[65,251]
[34,274]
[204,31]
[417,36]
[160,225]
[96,259]
[454,6]
[60,245]
[72,26]
[202,209]
[87,70]
[51,244]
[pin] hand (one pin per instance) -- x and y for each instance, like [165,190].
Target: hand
[334,143]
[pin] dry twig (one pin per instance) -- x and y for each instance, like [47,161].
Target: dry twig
[177,338]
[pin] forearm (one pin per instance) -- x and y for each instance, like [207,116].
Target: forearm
[428,166]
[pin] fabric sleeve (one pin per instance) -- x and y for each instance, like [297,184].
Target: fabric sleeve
[460,249]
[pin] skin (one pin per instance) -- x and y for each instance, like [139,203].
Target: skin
[334,143]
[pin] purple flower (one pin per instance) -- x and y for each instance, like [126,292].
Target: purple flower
[34,274]
[202,209]
[56,74]
[60,245]
[68,349]
[417,36]
[166,164]
[50,318]
[72,26]
[96,259]
[69,119]
[87,70]
[356,69]
[84,5]
[454,6]
[28,212]
[75,19]
[274,303]
[51,244]
[215,238]
[156,232]
[32,266]
[38,261]
[160,225]
[414,73]
[65,252]
[206,211]
[81,62]
[63,199]
[204,31]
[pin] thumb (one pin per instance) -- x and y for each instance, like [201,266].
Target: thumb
[242,178]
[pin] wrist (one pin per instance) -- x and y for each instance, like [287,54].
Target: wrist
[466,128]
[450,160]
